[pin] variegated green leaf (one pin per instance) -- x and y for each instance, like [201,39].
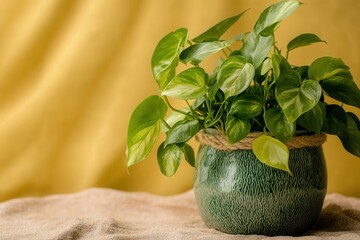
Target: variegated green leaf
[144,127]
[189,84]
[235,75]
[326,67]
[247,105]
[182,131]
[256,48]
[236,128]
[272,152]
[278,125]
[169,158]
[275,14]
[215,32]
[196,53]
[165,57]
[296,97]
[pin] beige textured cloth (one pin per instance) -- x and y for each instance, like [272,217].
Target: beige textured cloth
[109,214]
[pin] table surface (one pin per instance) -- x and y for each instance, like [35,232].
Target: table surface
[100,213]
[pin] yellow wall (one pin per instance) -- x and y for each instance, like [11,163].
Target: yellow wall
[71,72]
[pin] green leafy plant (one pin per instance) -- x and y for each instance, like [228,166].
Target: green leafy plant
[254,87]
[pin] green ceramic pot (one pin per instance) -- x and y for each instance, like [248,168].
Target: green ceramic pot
[238,194]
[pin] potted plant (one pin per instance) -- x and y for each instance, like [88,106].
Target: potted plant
[260,120]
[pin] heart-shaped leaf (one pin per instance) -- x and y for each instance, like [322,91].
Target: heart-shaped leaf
[189,84]
[342,89]
[236,128]
[144,127]
[169,158]
[247,106]
[272,152]
[196,53]
[215,32]
[165,57]
[235,75]
[326,67]
[303,40]
[313,119]
[278,125]
[296,97]
[182,131]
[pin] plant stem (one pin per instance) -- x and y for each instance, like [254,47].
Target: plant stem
[226,55]
[176,110]
[274,44]
[287,55]
[166,124]
[191,110]
[257,121]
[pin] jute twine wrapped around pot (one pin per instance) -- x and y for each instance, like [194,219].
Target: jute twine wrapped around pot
[220,141]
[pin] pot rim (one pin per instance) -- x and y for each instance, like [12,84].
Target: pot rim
[220,141]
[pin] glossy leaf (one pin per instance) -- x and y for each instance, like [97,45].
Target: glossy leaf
[303,40]
[278,125]
[272,152]
[326,67]
[169,158]
[182,131]
[144,127]
[335,120]
[215,32]
[313,120]
[275,14]
[269,31]
[236,128]
[345,74]
[189,84]
[235,75]
[354,118]
[256,48]
[296,97]
[196,53]
[351,137]
[247,106]
[213,91]
[165,57]
[266,66]
[279,64]
[342,89]
[189,154]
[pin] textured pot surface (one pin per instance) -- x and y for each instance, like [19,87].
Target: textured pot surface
[238,194]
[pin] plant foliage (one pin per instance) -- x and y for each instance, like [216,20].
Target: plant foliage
[254,87]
